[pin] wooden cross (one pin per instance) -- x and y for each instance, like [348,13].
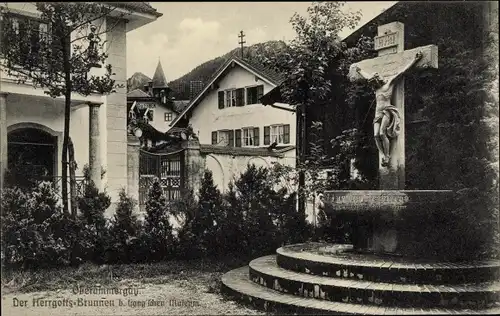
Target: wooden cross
[241,42]
[392,59]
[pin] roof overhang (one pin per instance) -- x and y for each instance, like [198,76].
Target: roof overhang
[134,19]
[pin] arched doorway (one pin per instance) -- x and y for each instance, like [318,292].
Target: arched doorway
[32,156]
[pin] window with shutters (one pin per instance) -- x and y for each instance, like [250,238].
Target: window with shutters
[279,134]
[254,94]
[230,98]
[223,138]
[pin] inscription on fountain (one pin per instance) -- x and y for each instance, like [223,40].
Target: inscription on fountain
[366,200]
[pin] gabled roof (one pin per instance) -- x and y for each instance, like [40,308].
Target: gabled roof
[159,80]
[137,93]
[266,74]
[143,7]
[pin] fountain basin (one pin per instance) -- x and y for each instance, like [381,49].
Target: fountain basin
[376,214]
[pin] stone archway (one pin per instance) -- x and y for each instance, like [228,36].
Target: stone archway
[32,153]
[213,164]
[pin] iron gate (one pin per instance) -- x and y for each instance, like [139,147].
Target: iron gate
[168,168]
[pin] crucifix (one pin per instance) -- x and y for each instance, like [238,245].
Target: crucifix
[241,42]
[385,74]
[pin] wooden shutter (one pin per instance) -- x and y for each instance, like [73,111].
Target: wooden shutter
[221,99]
[256,136]
[260,92]
[237,137]
[231,139]
[240,97]
[214,138]
[267,135]
[249,96]
[286,134]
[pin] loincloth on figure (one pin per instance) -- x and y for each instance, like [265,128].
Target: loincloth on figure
[393,128]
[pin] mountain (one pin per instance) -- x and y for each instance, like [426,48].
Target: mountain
[206,70]
[180,87]
[137,81]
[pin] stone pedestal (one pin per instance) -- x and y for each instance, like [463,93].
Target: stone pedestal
[133,147]
[3,137]
[381,234]
[194,165]
[94,145]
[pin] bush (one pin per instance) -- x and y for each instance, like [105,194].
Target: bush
[93,228]
[125,229]
[189,244]
[260,218]
[36,233]
[200,235]
[157,236]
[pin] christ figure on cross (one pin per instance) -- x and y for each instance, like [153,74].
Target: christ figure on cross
[386,126]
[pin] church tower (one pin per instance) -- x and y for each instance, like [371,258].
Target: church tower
[159,87]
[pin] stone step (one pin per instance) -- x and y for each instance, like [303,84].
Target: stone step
[237,285]
[320,259]
[266,272]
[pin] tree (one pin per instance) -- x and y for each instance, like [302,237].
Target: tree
[309,62]
[56,53]
[158,230]
[124,229]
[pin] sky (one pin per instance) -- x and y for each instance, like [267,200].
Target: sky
[191,33]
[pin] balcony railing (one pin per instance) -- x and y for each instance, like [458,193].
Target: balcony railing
[26,182]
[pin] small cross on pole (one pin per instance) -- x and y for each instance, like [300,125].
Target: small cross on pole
[241,42]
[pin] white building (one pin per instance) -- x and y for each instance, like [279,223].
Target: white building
[233,127]
[28,117]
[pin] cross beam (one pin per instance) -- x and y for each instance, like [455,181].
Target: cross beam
[241,42]
[390,65]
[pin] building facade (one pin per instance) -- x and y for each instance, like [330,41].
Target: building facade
[98,129]
[233,128]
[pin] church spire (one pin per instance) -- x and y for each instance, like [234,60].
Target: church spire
[159,79]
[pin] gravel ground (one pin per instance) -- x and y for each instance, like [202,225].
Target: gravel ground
[167,288]
[179,297]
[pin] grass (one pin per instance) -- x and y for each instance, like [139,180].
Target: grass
[207,271]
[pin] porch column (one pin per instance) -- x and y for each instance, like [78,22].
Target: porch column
[133,147]
[94,144]
[3,137]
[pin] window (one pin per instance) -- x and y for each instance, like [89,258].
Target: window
[254,94]
[247,137]
[230,98]
[223,138]
[39,37]
[250,136]
[168,117]
[26,28]
[277,133]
